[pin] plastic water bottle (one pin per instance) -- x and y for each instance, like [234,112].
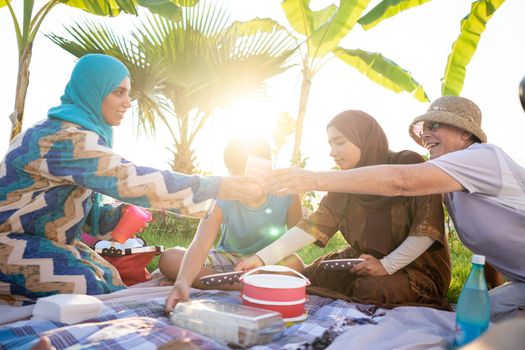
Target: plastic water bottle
[473,308]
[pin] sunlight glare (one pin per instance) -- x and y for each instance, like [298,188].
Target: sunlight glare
[249,117]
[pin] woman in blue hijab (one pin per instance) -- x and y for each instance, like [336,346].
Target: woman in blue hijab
[53,175]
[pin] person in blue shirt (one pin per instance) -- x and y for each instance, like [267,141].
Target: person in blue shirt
[246,226]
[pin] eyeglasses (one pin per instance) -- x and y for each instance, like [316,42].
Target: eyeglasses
[424,126]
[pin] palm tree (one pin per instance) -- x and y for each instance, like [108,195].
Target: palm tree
[27,30]
[324,29]
[182,71]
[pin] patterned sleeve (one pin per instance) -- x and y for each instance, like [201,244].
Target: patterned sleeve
[81,157]
[324,222]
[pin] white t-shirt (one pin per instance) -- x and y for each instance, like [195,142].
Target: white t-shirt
[490,215]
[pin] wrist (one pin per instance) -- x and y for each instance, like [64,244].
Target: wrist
[385,262]
[317,181]
[181,281]
[263,258]
[263,263]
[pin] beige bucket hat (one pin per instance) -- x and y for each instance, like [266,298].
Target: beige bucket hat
[451,110]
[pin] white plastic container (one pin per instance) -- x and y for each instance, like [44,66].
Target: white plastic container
[228,323]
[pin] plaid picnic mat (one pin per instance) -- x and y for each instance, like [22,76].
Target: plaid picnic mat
[142,325]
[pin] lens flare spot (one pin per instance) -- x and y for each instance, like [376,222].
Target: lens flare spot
[274,231]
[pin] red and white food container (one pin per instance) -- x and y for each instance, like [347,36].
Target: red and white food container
[276,292]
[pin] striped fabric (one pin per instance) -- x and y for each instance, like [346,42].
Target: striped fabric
[47,181]
[221,261]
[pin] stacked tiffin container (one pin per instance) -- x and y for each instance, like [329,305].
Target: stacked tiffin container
[275,291]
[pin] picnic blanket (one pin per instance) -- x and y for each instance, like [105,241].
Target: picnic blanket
[134,319]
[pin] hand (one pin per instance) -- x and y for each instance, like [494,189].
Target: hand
[179,292]
[370,267]
[249,263]
[243,188]
[291,180]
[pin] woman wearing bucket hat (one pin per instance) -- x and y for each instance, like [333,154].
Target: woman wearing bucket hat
[51,178]
[484,189]
[401,240]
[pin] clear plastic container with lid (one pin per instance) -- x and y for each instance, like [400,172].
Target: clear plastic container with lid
[229,323]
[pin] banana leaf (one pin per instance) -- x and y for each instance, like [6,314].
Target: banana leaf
[327,37]
[472,26]
[386,9]
[383,71]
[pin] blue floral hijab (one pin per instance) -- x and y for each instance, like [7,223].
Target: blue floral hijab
[94,77]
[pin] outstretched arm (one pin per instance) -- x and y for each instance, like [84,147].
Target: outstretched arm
[385,180]
[86,162]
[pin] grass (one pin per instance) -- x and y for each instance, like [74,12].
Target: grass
[461,260]
[169,231]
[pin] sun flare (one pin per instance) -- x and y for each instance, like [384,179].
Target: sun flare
[248,118]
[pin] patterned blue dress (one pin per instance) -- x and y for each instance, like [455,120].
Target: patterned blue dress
[47,181]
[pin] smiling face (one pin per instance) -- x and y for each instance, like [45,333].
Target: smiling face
[116,104]
[442,139]
[344,152]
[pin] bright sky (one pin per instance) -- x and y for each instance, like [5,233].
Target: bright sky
[419,40]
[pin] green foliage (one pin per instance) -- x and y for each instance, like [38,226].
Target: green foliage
[461,259]
[463,49]
[169,230]
[324,29]
[182,71]
[27,30]
[309,202]
[387,9]
[392,76]
[299,160]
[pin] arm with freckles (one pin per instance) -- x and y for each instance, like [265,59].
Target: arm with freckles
[386,180]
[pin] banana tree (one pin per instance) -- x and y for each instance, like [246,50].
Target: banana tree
[463,49]
[324,29]
[27,30]
[182,71]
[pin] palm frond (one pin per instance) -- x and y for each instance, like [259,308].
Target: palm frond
[189,67]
